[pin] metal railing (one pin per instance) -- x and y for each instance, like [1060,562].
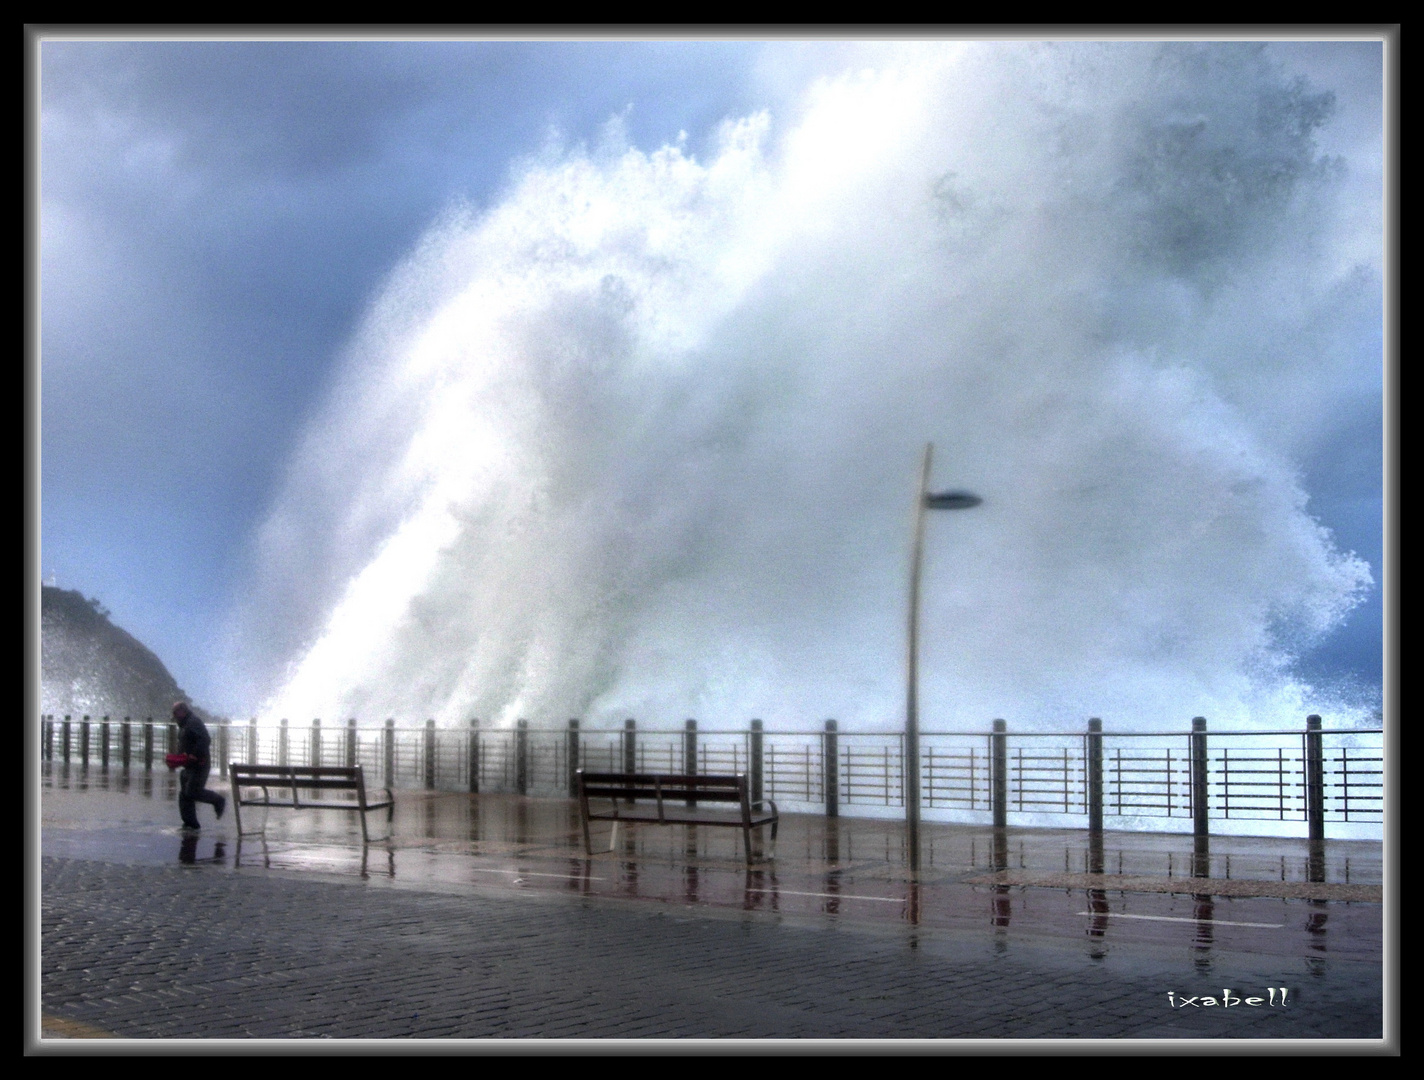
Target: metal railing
[1141,779]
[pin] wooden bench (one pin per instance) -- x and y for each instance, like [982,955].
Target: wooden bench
[679,800]
[295,779]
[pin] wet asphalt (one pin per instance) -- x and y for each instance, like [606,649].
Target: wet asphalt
[482,918]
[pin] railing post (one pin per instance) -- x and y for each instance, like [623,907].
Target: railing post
[314,751]
[573,756]
[170,738]
[351,742]
[1201,809]
[48,743]
[104,743]
[252,741]
[148,744]
[1095,776]
[64,739]
[282,743]
[689,754]
[223,748]
[84,742]
[1200,824]
[429,754]
[689,748]
[630,746]
[388,752]
[999,793]
[474,756]
[755,764]
[126,742]
[521,757]
[830,769]
[1314,779]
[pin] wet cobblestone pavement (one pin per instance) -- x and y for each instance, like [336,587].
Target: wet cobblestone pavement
[481,919]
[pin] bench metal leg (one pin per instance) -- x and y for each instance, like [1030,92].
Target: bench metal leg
[390,828]
[266,809]
[769,853]
[236,805]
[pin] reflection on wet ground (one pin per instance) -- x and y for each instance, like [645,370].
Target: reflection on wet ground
[1253,894]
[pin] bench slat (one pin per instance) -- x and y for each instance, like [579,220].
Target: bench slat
[305,805]
[300,772]
[671,784]
[298,782]
[680,816]
[618,794]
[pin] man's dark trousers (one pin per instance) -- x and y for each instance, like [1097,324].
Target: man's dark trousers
[192,789]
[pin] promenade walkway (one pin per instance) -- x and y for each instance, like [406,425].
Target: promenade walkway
[481,919]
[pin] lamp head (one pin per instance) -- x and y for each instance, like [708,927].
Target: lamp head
[951,500]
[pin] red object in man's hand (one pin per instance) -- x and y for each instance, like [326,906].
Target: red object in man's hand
[179,761]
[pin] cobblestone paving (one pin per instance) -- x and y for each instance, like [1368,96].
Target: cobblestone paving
[197,952]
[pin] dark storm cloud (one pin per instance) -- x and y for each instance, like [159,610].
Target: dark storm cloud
[218,213]
[215,217]
[286,110]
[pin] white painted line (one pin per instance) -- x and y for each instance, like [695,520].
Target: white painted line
[530,873]
[831,896]
[1178,918]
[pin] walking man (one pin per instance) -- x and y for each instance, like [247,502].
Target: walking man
[194,741]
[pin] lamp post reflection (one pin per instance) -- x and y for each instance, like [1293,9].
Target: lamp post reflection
[1098,924]
[1204,911]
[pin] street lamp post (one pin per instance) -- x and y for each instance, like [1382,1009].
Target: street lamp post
[926,500]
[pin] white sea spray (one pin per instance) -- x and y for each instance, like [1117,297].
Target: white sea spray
[642,438]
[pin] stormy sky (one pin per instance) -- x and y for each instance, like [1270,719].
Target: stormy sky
[218,216]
